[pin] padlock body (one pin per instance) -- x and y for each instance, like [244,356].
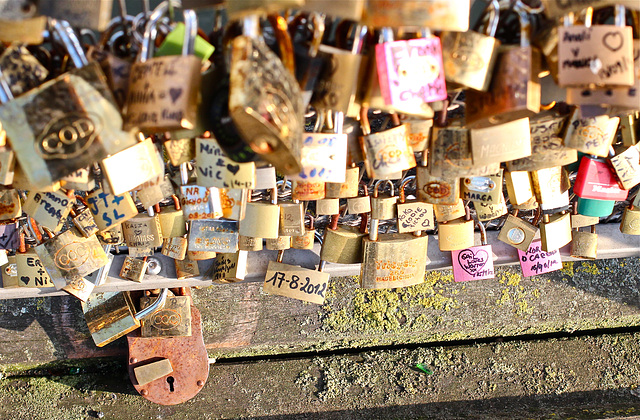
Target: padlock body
[394,260]
[230,268]
[31,272]
[327,206]
[278,244]
[291,219]
[383,207]
[630,223]
[482,189]
[517,233]
[143,231]
[175,247]
[486,211]
[304,241]
[133,269]
[358,205]
[387,153]
[436,190]
[555,233]
[414,216]
[172,223]
[307,190]
[445,213]
[501,143]
[249,243]
[592,135]
[262,220]
[342,246]
[469,58]
[109,316]
[627,167]
[173,320]
[584,245]
[85,223]
[456,234]
[214,236]
[597,180]
[346,189]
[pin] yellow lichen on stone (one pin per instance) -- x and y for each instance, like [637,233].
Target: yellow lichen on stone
[567,268]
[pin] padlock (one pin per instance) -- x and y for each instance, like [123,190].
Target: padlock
[69,256]
[547,131]
[143,231]
[555,231]
[343,244]
[95,15]
[153,192]
[595,208]
[164,91]
[180,150]
[266,106]
[82,179]
[519,187]
[280,243]
[413,215]
[630,223]
[627,167]
[134,269]
[59,135]
[435,14]
[7,167]
[387,152]
[199,255]
[601,55]
[419,133]
[359,204]
[113,236]
[346,189]
[351,10]
[172,222]
[10,205]
[110,315]
[213,235]
[474,263]
[230,268]
[234,203]
[410,73]
[262,219]
[592,135]
[501,143]
[515,91]
[307,190]
[446,212]
[200,202]
[291,218]
[306,240]
[172,320]
[327,206]
[392,260]
[175,247]
[629,125]
[249,243]
[469,57]
[29,30]
[596,180]
[384,206]
[487,211]
[517,232]
[83,219]
[215,169]
[482,189]
[307,31]
[186,268]
[584,244]
[29,267]
[436,190]
[547,184]
[456,234]
[110,210]
[21,70]
[48,209]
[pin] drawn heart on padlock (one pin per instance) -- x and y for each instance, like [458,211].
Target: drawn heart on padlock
[24,279]
[137,232]
[473,262]
[175,94]
[613,41]
[233,168]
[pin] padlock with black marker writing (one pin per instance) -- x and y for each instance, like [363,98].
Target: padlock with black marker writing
[83,219]
[475,262]
[413,216]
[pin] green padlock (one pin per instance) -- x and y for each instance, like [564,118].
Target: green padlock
[172,44]
[595,208]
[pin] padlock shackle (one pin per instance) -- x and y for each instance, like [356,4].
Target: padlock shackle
[386,181]
[404,184]
[311,220]
[176,202]
[156,305]
[536,218]
[386,35]
[525,24]
[620,16]
[318,33]
[483,233]
[156,208]
[285,44]
[70,41]
[364,120]
[373,230]
[33,227]
[151,30]
[22,247]
[493,9]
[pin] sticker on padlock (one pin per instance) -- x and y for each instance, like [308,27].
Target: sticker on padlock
[535,261]
[200,202]
[482,189]
[474,263]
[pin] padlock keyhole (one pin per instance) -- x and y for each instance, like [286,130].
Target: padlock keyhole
[170,381]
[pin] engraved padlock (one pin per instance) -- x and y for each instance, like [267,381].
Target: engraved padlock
[584,244]
[593,135]
[83,219]
[435,189]
[519,187]
[448,212]
[305,241]
[110,210]
[143,231]
[489,211]
[346,189]
[469,57]
[172,221]
[359,204]
[456,234]
[482,189]
[630,223]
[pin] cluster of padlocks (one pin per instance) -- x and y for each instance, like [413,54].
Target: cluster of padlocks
[364,114]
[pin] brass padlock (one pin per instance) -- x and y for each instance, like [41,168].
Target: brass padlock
[82,179]
[414,215]
[501,143]
[630,223]
[469,57]
[164,91]
[213,235]
[153,192]
[111,315]
[280,243]
[346,189]
[143,162]
[180,150]
[548,186]
[392,260]
[230,268]
[555,231]
[448,212]
[306,240]
[435,14]
[592,135]
[186,268]
[436,190]
[173,319]
[172,221]
[234,203]
[249,243]
[360,204]
[488,211]
[307,190]
[519,187]
[627,167]
[83,219]
[584,244]
[456,234]
[49,209]
[343,244]
[515,90]
[483,189]
[327,206]
[261,220]
[175,247]
[143,231]
[134,269]
[30,271]
[215,169]
[384,207]
[517,232]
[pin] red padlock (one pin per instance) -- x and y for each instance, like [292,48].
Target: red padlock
[597,180]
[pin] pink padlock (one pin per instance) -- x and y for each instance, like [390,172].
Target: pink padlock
[475,263]
[410,71]
[535,261]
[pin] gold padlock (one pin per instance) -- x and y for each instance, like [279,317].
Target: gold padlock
[343,245]
[143,231]
[486,211]
[584,244]
[249,243]
[383,207]
[448,212]
[305,241]
[346,189]
[359,204]
[436,190]
[414,215]
[327,206]
[555,231]
[307,190]
[630,223]
[172,222]
[518,187]
[517,232]
[456,234]
[261,220]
